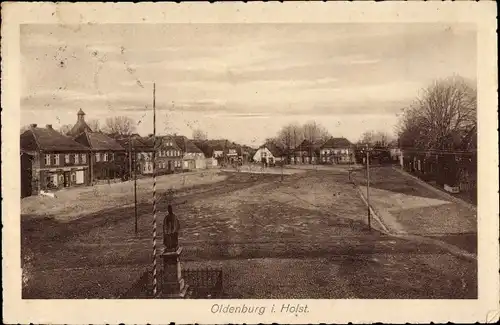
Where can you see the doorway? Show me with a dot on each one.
(67, 179)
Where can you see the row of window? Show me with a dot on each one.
(54, 159)
(104, 156)
(162, 164)
(335, 151)
(169, 153)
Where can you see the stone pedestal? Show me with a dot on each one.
(173, 285)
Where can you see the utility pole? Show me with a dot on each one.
(130, 156)
(135, 193)
(368, 185)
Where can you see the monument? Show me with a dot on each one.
(173, 285)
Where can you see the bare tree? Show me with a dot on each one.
(315, 132)
(94, 124)
(119, 125)
(24, 129)
(375, 138)
(199, 135)
(65, 128)
(442, 117)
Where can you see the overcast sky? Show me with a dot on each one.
(237, 81)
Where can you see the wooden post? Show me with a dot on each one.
(130, 156)
(368, 185)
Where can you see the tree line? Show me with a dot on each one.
(292, 135)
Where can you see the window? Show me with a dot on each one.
(97, 157)
(84, 158)
(111, 156)
(144, 168)
(73, 177)
(66, 159)
(56, 160)
(77, 158)
(105, 157)
(47, 160)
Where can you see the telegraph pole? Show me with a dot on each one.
(368, 185)
(135, 197)
(135, 180)
(130, 156)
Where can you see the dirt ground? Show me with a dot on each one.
(75, 202)
(309, 228)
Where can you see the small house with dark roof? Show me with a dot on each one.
(106, 161)
(55, 160)
(337, 151)
(269, 154)
(306, 152)
(192, 156)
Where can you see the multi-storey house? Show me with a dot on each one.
(51, 160)
(337, 151)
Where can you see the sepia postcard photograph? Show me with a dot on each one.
(249, 163)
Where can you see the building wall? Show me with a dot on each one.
(305, 157)
(107, 164)
(336, 156)
(56, 170)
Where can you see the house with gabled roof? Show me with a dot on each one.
(168, 154)
(337, 151)
(192, 156)
(51, 160)
(269, 154)
(306, 152)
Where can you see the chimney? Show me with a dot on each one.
(49, 126)
(33, 125)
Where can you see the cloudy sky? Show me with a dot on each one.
(237, 81)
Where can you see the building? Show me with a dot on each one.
(192, 156)
(306, 153)
(337, 151)
(106, 153)
(50, 160)
(208, 152)
(138, 156)
(168, 155)
(268, 154)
